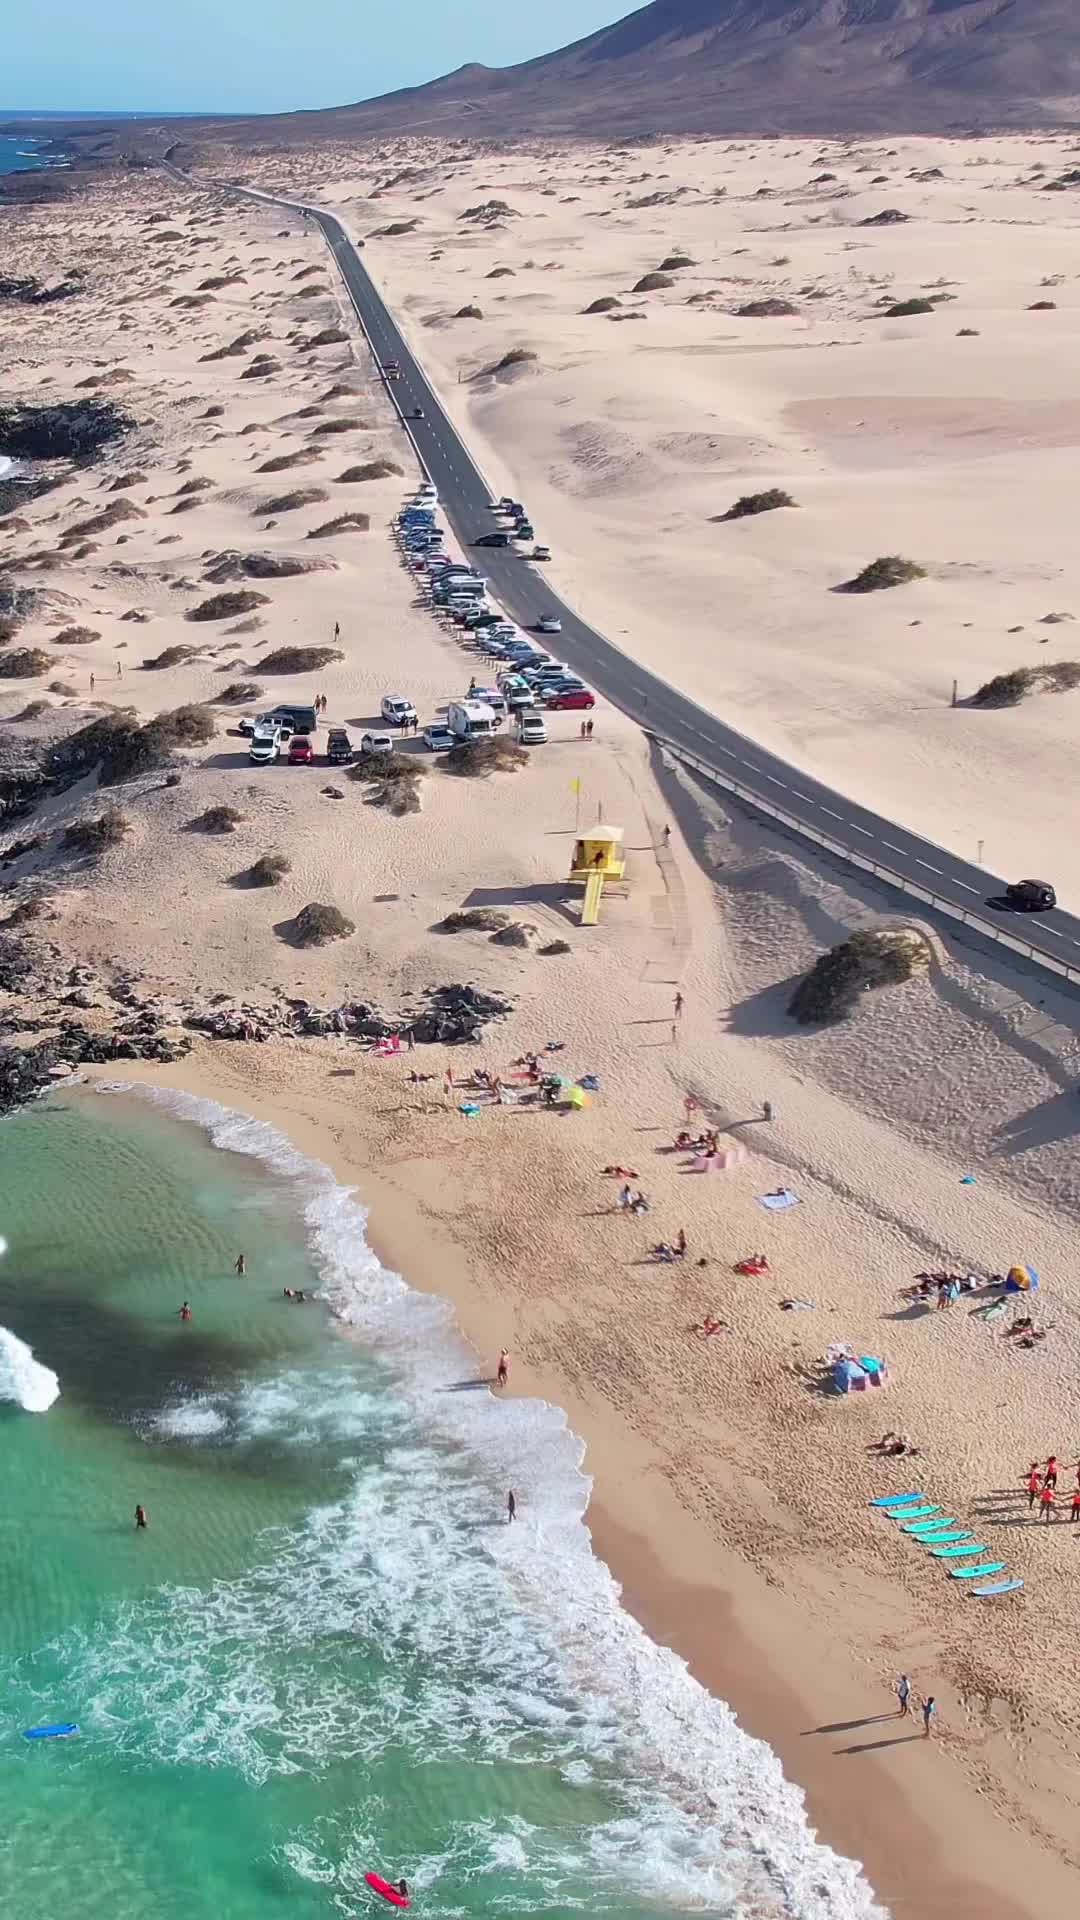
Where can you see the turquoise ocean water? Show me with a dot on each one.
(328, 1652)
(18, 155)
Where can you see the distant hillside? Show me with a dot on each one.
(740, 66)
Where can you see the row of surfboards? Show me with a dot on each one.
(947, 1540)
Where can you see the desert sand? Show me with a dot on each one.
(948, 436)
(731, 1492)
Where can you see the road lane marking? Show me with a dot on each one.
(855, 828)
(964, 884)
(831, 814)
(926, 864)
(892, 846)
(776, 782)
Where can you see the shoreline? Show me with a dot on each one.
(742, 1639)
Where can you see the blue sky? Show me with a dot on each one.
(259, 56)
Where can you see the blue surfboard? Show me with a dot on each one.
(929, 1526)
(940, 1539)
(59, 1730)
(997, 1586)
(976, 1573)
(912, 1513)
(896, 1499)
(959, 1553)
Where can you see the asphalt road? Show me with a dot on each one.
(657, 706)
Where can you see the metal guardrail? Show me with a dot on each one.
(987, 928)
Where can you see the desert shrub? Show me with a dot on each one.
(516, 357)
(123, 480)
(768, 309)
(261, 368)
(384, 768)
(1005, 689)
(889, 570)
(188, 726)
(473, 759)
(500, 273)
(397, 796)
(63, 687)
(652, 283)
(288, 502)
(35, 908)
(239, 693)
(830, 991)
(750, 503)
(605, 304)
(226, 606)
(555, 946)
(268, 870)
(372, 470)
(9, 627)
(341, 426)
(197, 484)
(967, 333)
(317, 923)
(110, 516)
(94, 836)
(327, 336)
(345, 523)
(901, 309)
(299, 659)
(217, 820)
(468, 313)
(170, 657)
(280, 462)
(32, 711)
(674, 261)
(24, 663)
(75, 637)
(478, 919)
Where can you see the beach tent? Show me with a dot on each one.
(1022, 1280)
(848, 1376)
(577, 1098)
(719, 1162)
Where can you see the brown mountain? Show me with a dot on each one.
(739, 66)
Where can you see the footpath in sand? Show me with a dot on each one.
(731, 1492)
(706, 320)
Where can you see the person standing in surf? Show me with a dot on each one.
(240, 1264)
(511, 1508)
(142, 1519)
(503, 1374)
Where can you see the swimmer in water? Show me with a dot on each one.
(141, 1519)
(185, 1312)
(240, 1263)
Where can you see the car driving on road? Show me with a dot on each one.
(1030, 896)
(549, 623)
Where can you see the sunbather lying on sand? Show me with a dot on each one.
(709, 1326)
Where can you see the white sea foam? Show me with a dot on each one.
(22, 1378)
(564, 1674)
(198, 1419)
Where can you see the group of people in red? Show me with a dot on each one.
(1042, 1487)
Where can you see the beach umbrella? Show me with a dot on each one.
(1022, 1280)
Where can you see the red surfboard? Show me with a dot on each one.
(388, 1892)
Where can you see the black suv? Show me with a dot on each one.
(1031, 896)
(339, 748)
(492, 540)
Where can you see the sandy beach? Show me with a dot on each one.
(731, 1491)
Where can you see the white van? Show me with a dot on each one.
(398, 711)
(264, 745)
(470, 720)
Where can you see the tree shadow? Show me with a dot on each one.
(1057, 1118)
(764, 1015)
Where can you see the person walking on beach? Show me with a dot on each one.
(142, 1518)
(929, 1708)
(511, 1508)
(240, 1263)
(625, 1198)
(680, 1243)
(1034, 1480)
(903, 1695)
(1046, 1504)
(1075, 1513)
(678, 1006)
(1050, 1477)
(766, 1111)
(337, 629)
(503, 1374)
(667, 835)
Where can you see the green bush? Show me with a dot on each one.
(299, 659)
(268, 870)
(863, 962)
(749, 503)
(889, 570)
(94, 836)
(902, 309)
(316, 923)
(217, 820)
(226, 606)
(1005, 689)
(473, 759)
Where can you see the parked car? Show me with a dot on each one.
(339, 748)
(372, 742)
(491, 697)
(541, 553)
(397, 710)
(492, 540)
(439, 738)
(300, 751)
(264, 746)
(531, 729)
(248, 725)
(296, 719)
(1031, 896)
(572, 698)
(523, 531)
(549, 623)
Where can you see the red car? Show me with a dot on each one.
(572, 699)
(300, 753)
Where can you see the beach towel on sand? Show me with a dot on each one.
(778, 1201)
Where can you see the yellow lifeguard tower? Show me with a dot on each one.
(599, 855)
